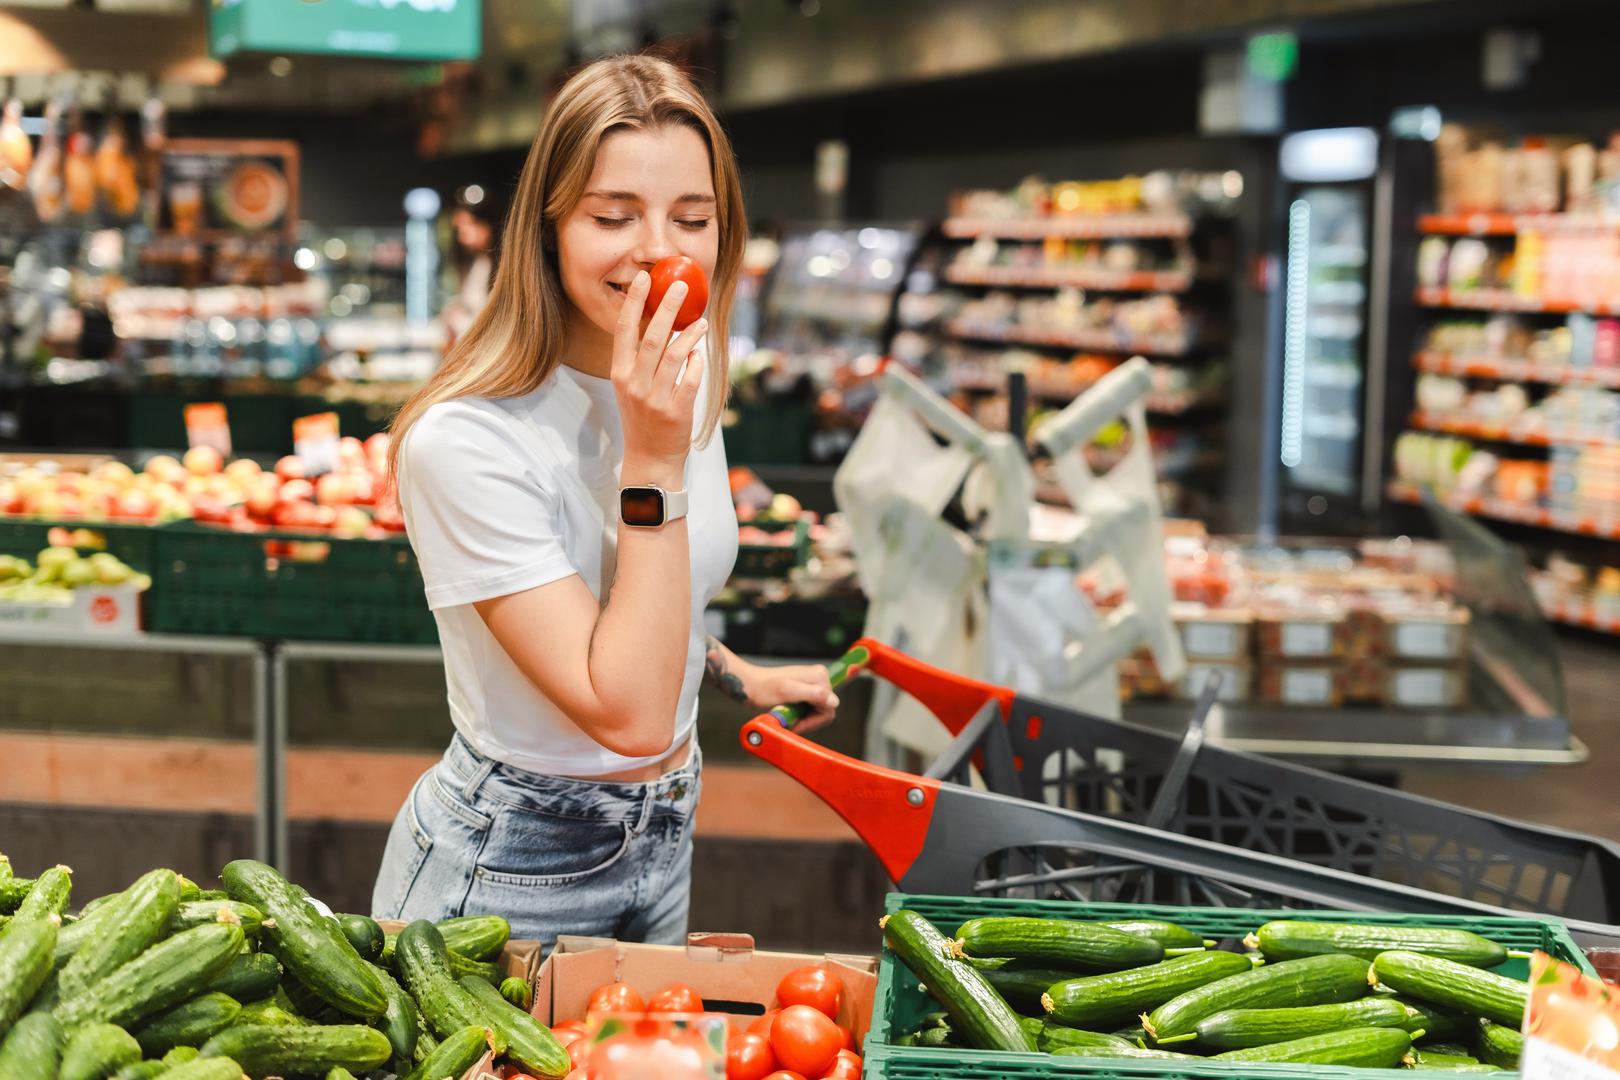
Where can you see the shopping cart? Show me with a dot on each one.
(1076, 806)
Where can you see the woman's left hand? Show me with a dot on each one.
(768, 687)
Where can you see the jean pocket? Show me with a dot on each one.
(532, 848)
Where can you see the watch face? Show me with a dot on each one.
(641, 506)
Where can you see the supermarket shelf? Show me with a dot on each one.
(1061, 278)
(1168, 404)
(1508, 433)
(1515, 370)
(1522, 436)
(1573, 615)
(1091, 226)
(1507, 300)
(1496, 224)
(1607, 528)
(1095, 340)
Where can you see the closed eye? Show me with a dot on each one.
(695, 224)
(610, 222)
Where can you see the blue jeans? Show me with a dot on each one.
(553, 855)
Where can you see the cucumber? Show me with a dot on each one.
(980, 1015)
(189, 890)
(190, 1024)
(402, 1022)
(91, 906)
(141, 1070)
(1428, 1059)
(73, 934)
(426, 1043)
(1369, 1048)
(1105, 1000)
(1023, 987)
(214, 1068)
(1500, 1046)
(363, 933)
(1060, 943)
(1452, 985)
(477, 937)
(304, 1002)
(26, 950)
(13, 890)
(518, 992)
(180, 1055)
(198, 912)
(96, 1050)
(248, 977)
(1237, 1029)
(1436, 1025)
(1168, 934)
(123, 930)
(268, 1012)
(213, 894)
(1126, 1051)
(425, 970)
(458, 1053)
(278, 1050)
(1054, 1036)
(307, 943)
(160, 978)
(1289, 940)
(938, 1035)
(461, 966)
(338, 1072)
(33, 1049)
(48, 896)
(528, 1042)
(1314, 980)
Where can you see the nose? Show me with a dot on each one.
(654, 241)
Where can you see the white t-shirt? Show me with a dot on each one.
(506, 494)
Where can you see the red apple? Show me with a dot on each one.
(203, 461)
(261, 501)
(290, 467)
(296, 491)
(335, 489)
(351, 452)
(135, 504)
(165, 470)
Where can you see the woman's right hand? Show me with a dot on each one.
(655, 412)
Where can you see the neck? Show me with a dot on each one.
(586, 348)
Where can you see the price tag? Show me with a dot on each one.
(315, 441)
(1572, 1025)
(1307, 687)
(206, 425)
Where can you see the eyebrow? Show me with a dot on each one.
(630, 196)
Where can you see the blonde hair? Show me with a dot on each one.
(517, 340)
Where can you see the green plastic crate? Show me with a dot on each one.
(135, 545)
(920, 1063)
(212, 581)
(899, 1005)
(770, 560)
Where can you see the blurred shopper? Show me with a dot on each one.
(573, 641)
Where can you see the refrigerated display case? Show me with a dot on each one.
(1323, 363)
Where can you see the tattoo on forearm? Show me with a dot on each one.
(714, 666)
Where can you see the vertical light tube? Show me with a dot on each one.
(1294, 333)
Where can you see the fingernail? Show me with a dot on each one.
(832, 699)
(701, 325)
(678, 289)
(641, 279)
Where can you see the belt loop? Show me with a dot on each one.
(479, 775)
(649, 796)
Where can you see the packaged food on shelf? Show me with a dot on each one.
(1294, 634)
(1236, 679)
(1304, 683)
(1421, 686)
(1432, 632)
(1214, 633)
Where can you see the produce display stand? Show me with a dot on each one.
(1100, 810)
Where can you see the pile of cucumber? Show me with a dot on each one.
(165, 980)
(1321, 993)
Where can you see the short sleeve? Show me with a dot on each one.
(483, 517)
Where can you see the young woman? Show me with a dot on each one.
(573, 641)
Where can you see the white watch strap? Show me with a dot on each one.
(674, 505)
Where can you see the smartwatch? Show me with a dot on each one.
(646, 506)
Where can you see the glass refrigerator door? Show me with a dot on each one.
(1324, 329)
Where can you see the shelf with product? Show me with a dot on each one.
(1516, 405)
(1062, 282)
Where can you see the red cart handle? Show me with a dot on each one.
(955, 699)
(889, 809)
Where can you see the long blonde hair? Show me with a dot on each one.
(516, 341)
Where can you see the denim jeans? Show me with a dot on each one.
(553, 855)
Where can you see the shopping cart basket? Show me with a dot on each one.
(1085, 808)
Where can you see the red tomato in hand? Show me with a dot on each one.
(762, 1024)
(804, 1040)
(616, 997)
(849, 1038)
(666, 272)
(815, 986)
(575, 1026)
(785, 1074)
(675, 998)
(749, 1057)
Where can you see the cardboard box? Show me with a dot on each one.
(1302, 635)
(1319, 684)
(1214, 633)
(732, 977)
(96, 609)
